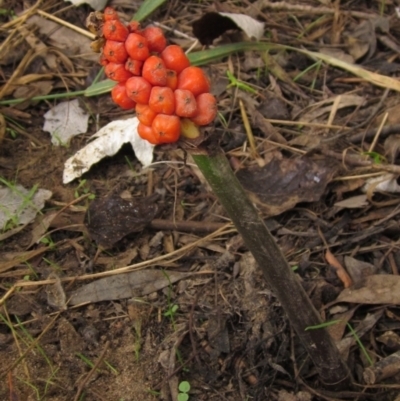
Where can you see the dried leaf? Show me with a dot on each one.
(135, 284)
(383, 183)
(358, 269)
(20, 205)
(281, 184)
(376, 289)
(55, 293)
(65, 121)
(109, 140)
(358, 201)
(392, 146)
(340, 270)
(95, 4)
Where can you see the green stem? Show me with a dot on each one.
(277, 272)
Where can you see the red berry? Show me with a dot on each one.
(134, 66)
(206, 109)
(162, 100)
(134, 26)
(145, 114)
(172, 79)
(115, 51)
(185, 103)
(110, 14)
(193, 79)
(155, 38)
(117, 72)
(115, 30)
(136, 46)
(154, 71)
(138, 89)
(175, 58)
(120, 97)
(147, 133)
(167, 128)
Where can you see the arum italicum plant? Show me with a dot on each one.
(214, 165)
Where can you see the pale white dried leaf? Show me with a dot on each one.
(384, 183)
(250, 26)
(108, 140)
(64, 121)
(21, 205)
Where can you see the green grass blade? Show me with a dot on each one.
(99, 88)
(146, 8)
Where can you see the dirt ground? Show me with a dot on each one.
(198, 309)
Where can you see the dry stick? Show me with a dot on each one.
(90, 374)
(278, 274)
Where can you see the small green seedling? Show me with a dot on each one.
(376, 157)
(82, 189)
(184, 388)
(233, 81)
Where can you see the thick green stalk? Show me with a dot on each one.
(277, 272)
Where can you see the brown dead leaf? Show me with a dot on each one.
(392, 146)
(358, 269)
(375, 289)
(61, 37)
(361, 40)
(130, 285)
(337, 330)
(355, 202)
(340, 270)
(281, 184)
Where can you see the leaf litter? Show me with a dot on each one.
(322, 127)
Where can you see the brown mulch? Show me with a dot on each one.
(215, 324)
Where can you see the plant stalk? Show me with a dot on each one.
(277, 272)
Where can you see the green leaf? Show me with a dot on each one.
(146, 8)
(183, 397)
(99, 88)
(184, 387)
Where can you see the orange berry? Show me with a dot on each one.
(162, 100)
(175, 58)
(206, 109)
(120, 97)
(193, 79)
(136, 46)
(134, 66)
(145, 114)
(167, 128)
(138, 89)
(147, 133)
(154, 71)
(185, 103)
(172, 79)
(115, 51)
(110, 14)
(155, 38)
(117, 72)
(115, 30)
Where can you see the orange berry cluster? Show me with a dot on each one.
(154, 79)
